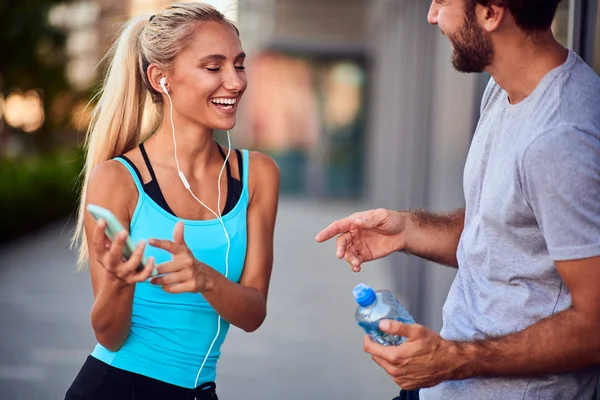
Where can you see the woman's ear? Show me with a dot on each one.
(154, 77)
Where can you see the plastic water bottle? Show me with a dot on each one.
(373, 306)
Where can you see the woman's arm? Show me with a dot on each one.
(242, 304)
(245, 304)
(113, 282)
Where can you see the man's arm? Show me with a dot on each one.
(373, 234)
(434, 236)
(564, 342)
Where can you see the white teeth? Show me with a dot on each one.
(223, 101)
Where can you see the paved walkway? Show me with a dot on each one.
(308, 348)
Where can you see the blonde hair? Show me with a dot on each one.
(125, 115)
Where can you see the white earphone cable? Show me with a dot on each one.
(217, 215)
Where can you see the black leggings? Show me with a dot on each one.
(99, 381)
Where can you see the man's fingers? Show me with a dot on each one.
(376, 349)
(341, 244)
(364, 223)
(347, 250)
(399, 328)
(388, 367)
(363, 219)
(372, 219)
(353, 257)
(334, 229)
(372, 347)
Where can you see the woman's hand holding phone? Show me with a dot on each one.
(110, 255)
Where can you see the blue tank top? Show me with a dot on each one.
(171, 333)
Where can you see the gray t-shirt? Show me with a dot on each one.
(532, 191)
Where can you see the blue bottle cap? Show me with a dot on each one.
(364, 295)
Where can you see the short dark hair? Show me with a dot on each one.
(530, 15)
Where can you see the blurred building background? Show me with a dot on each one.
(356, 100)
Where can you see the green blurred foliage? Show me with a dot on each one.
(36, 191)
(38, 185)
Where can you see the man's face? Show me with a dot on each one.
(473, 49)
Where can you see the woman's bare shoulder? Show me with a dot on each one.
(111, 184)
(263, 173)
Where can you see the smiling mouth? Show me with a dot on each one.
(224, 103)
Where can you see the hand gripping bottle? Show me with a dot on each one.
(373, 306)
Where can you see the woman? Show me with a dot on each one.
(159, 335)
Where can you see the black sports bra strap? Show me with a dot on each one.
(147, 161)
(240, 164)
(132, 165)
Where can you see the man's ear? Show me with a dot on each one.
(490, 17)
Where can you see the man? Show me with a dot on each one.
(522, 318)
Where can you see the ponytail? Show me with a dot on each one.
(122, 111)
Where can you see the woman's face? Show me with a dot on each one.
(208, 77)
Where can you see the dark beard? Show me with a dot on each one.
(473, 50)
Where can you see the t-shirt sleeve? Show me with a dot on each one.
(560, 176)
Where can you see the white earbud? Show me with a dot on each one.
(163, 84)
